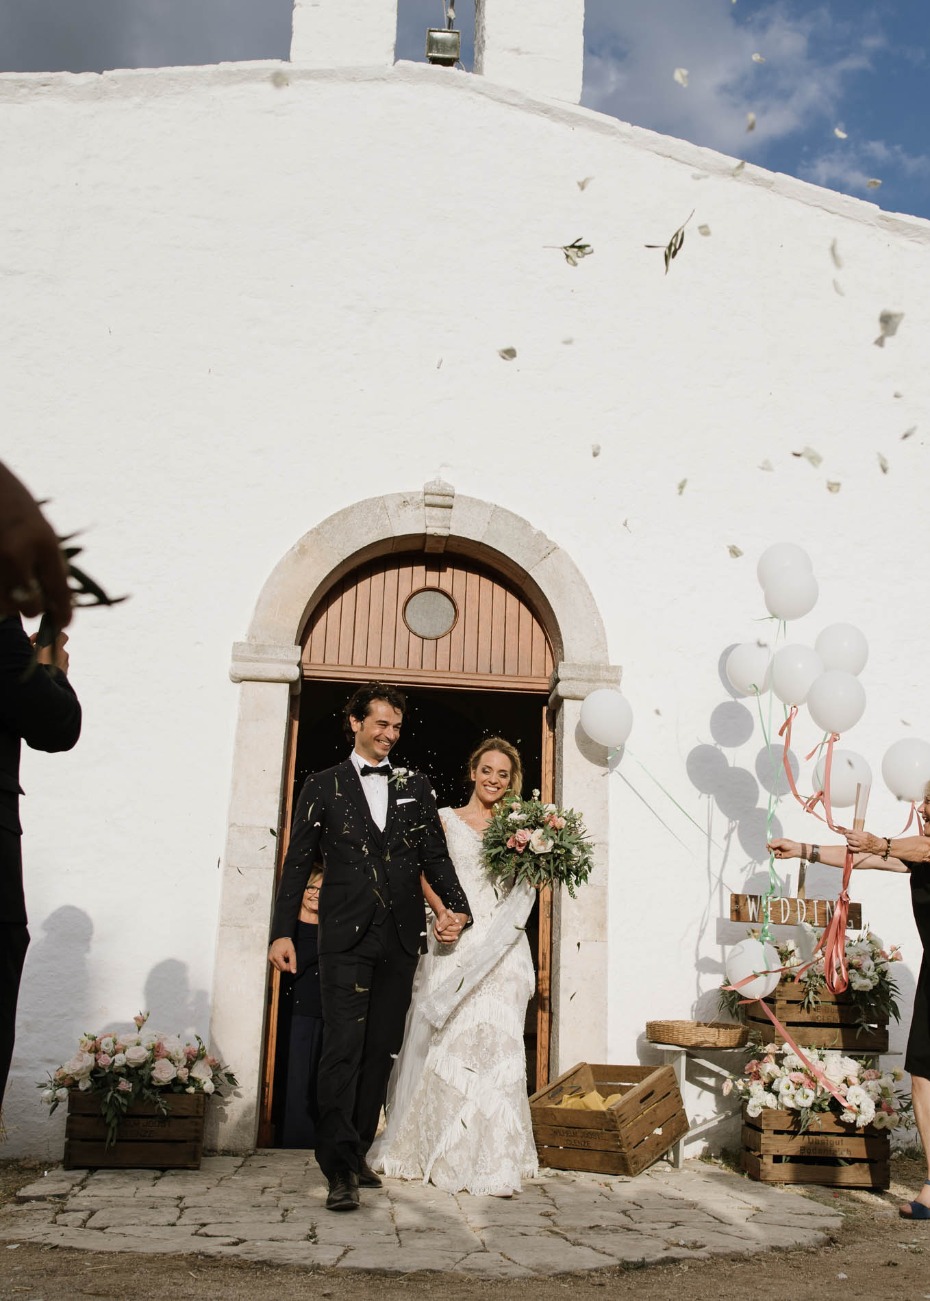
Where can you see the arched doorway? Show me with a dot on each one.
(475, 661)
(267, 667)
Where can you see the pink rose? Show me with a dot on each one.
(521, 839)
(140, 1019)
(104, 1060)
(159, 1051)
(183, 1073)
(164, 1071)
(124, 1086)
(555, 822)
(191, 1051)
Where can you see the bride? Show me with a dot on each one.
(457, 1108)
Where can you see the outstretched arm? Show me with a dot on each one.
(302, 853)
(909, 849)
(834, 856)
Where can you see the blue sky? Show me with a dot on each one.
(860, 67)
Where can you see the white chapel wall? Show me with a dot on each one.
(240, 299)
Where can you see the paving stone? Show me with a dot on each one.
(399, 1259)
(552, 1255)
(72, 1219)
(181, 1236)
(115, 1216)
(623, 1246)
(444, 1238)
(491, 1264)
(58, 1183)
(307, 1255)
(258, 1231)
(230, 1214)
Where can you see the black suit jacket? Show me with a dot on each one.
(38, 706)
(366, 872)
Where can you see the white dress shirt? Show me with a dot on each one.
(375, 788)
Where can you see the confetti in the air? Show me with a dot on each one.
(595, 449)
(574, 251)
(583, 185)
(507, 354)
(888, 323)
(833, 485)
(873, 183)
(750, 121)
(766, 465)
(734, 551)
(840, 133)
(758, 58)
(835, 254)
(738, 168)
(681, 76)
(809, 455)
(682, 484)
(909, 433)
(838, 288)
(882, 463)
(704, 230)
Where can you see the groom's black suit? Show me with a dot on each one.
(372, 930)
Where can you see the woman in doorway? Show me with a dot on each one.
(306, 1025)
(909, 854)
(457, 1108)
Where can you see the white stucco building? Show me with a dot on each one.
(252, 341)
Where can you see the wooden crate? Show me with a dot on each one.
(626, 1138)
(146, 1138)
(829, 1152)
(832, 1024)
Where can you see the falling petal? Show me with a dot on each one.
(439, 364)
(838, 288)
(872, 184)
(681, 76)
(278, 79)
(507, 354)
(595, 449)
(766, 465)
(897, 395)
(758, 58)
(704, 230)
(568, 340)
(839, 133)
(583, 185)
(750, 121)
(809, 455)
(681, 486)
(699, 176)
(882, 463)
(833, 485)
(835, 254)
(909, 432)
(735, 552)
(738, 168)
(888, 323)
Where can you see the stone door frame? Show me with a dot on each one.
(266, 668)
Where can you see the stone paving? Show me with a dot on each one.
(269, 1207)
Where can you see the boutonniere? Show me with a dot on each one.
(399, 777)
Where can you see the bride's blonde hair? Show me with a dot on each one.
(502, 747)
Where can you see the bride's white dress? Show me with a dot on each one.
(457, 1108)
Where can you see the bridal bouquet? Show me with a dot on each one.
(780, 1080)
(140, 1067)
(538, 843)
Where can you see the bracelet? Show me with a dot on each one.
(815, 853)
(887, 848)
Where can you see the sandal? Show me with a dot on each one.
(918, 1211)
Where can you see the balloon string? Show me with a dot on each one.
(666, 793)
(774, 882)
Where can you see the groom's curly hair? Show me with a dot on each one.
(359, 704)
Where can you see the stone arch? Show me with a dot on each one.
(266, 667)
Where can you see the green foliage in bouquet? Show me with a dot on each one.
(538, 843)
(140, 1067)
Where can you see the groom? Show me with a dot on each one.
(376, 829)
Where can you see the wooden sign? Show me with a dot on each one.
(790, 912)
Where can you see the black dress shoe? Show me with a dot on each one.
(343, 1192)
(367, 1177)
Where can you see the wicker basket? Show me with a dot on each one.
(697, 1034)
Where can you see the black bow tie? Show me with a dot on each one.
(382, 770)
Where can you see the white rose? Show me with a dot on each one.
(803, 1097)
(49, 1095)
(208, 1086)
(136, 1055)
(539, 843)
(119, 1061)
(200, 1070)
(753, 1107)
(80, 1066)
(164, 1071)
(84, 1085)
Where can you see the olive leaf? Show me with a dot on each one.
(675, 244)
(574, 251)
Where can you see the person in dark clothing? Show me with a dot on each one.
(37, 705)
(306, 1026)
(377, 829)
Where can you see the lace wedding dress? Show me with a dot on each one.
(457, 1109)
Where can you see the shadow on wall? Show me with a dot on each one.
(737, 823)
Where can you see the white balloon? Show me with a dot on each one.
(836, 701)
(843, 646)
(748, 668)
(906, 768)
(794, 669)
(749, 957)
(791, 593)
(606, 717)
(847, 771)
(782, 555)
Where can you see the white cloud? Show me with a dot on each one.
(851, 168)
(810, 57)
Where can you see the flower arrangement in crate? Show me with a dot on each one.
(123, 1069)
(780, 1081)
(873, 991)
(540, 844)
